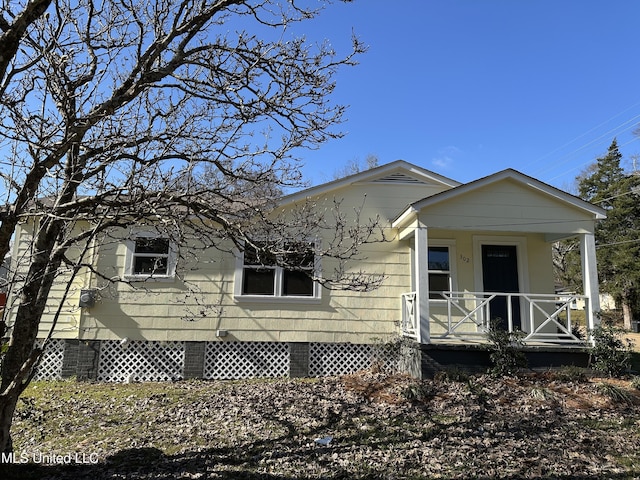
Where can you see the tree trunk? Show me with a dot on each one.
(7, 408)
(22, 356)
(14, 374)
(627, 314)
(9, 398)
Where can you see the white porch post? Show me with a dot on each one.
(590, 278)
(422, 283)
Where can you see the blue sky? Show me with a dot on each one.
(469, 87)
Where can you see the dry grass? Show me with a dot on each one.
(380, 425)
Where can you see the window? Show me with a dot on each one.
(259, 274)
(150, 256)
(439, 272)
(289, 275)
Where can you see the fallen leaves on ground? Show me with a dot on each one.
(372, 426)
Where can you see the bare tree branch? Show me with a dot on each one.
(188, 116)
(14, 30)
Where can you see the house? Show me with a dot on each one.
(607, 302)
(458, 258)
(4, 280)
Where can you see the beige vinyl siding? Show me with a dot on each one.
(387, 200)
(507, 205)
(167, 310)
(69, 318)
(157, 311)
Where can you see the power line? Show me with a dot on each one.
(634, 191)
(625, 126)
(586, 133)
(606, 135)
(623, 242)
(587, 162)
(494, 225)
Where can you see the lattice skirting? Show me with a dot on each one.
(140, 361)
(330, 359)
(50, 367)
(234, 360)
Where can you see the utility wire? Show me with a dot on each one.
(581, 165)
(634, 191)
(619, 114)
(623, 242)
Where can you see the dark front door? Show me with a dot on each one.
(500, 274)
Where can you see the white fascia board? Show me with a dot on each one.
(367, 176)
(405, 217)
(597, 212)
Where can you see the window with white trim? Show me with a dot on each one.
(290, 275)
(439, 271)
(150, 256)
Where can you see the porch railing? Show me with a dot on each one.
(544, 318)
(409, 323)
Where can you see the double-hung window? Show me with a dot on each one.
(150, 256)
(289, 274)
(439, 271)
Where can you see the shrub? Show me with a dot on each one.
(419, 392)
(610, 354)
(543, 394)
(570, 373)
(615, 393)
(635, 382)
(451, 374)
(506, 354)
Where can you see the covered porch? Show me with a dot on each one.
(481, 256)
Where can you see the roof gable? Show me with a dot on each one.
(398, 173)
(544, 191)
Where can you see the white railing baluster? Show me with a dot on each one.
(409, 324)
(468, 315)
(510, 312)
(532, 325)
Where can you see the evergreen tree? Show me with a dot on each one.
(618, 237)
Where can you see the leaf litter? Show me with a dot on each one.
(368, 425)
